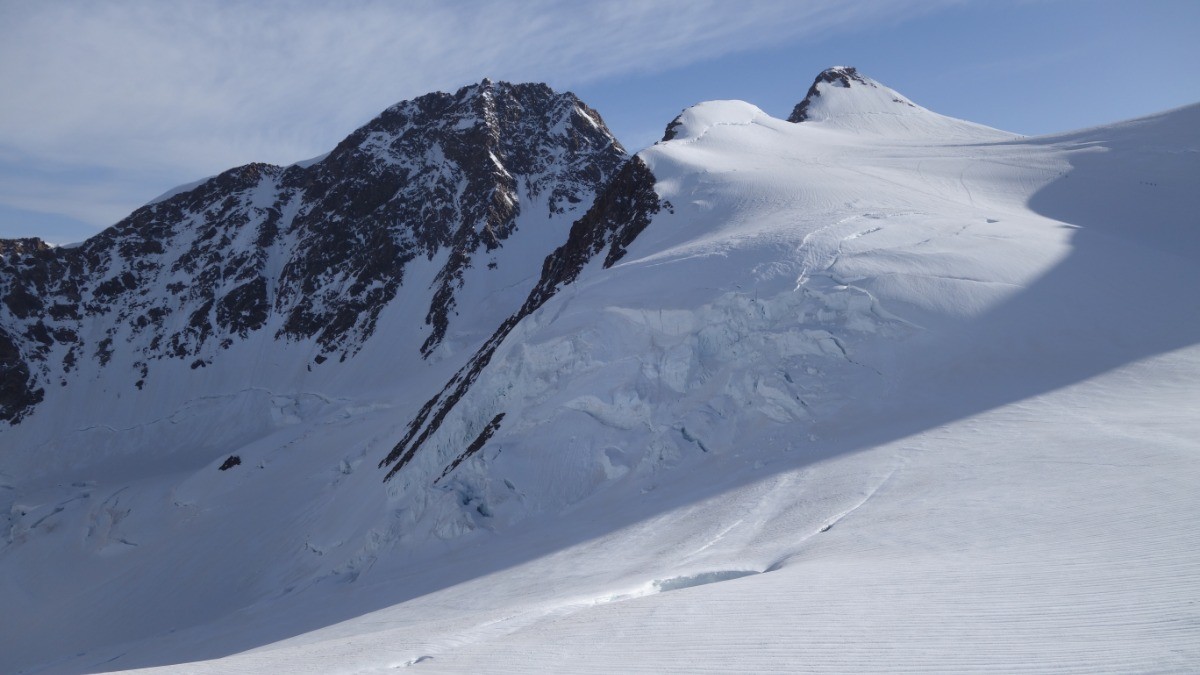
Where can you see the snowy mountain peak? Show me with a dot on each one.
(22, 246)
(823, 99)
(843, 98)
(843, 76)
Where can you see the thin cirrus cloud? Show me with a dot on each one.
(126, 93)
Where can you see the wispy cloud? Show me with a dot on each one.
(188, 89)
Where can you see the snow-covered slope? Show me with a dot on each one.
(868, 107)
(869, 390)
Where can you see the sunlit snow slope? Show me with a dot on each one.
(874, 391)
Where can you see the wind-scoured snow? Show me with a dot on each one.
(875, 391)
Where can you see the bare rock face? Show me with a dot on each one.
(18, 391)
(313, 251)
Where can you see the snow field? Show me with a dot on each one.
(971, 552)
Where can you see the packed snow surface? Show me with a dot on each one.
(872, 393)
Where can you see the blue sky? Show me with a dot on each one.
(107, 104)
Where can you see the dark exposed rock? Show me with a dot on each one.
(22, 303)
(475, 446)
(63, 311)
(109, 289)
(670, 132)
(245, 308)
(104, 351)
(229, 463)
(39, 333)
(143, 371)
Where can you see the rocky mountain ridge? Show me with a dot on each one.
(304, 252)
